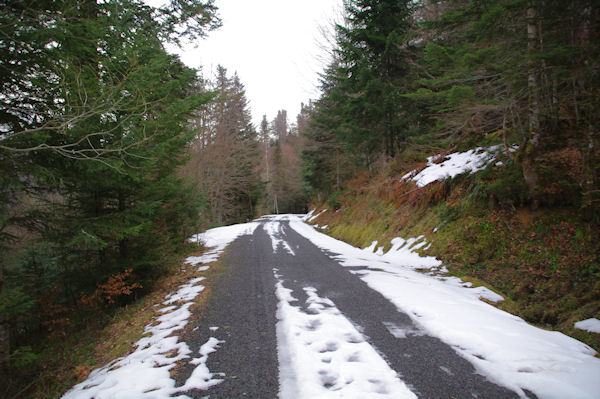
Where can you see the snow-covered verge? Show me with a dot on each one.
(501, 346)
(454, 164)
(322, 355)
(145, 373)
(310, 216)
(217, 239)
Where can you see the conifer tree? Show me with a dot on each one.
(372, 62)
(280, 126)
(518, 69)
(92, 126)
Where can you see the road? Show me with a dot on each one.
(244, 306)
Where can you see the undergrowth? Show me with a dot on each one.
(545, 263)
(51, 364)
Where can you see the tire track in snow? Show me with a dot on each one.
(322, 355)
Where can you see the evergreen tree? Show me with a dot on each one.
(322, 153)
(325, 164)
(518, 69)
(92, 127)
(280, 126)
(372, 62)
(281, 169)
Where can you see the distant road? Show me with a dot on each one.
(279, 287)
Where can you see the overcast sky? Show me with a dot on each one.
(273, 45)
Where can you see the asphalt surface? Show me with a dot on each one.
(243, 305)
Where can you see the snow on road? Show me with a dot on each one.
(217, 239)
(275, 233)
(145, 373)
(322, 355)
(501, 346)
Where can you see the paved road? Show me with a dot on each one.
(243, 304)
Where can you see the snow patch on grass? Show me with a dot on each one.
(145, 373)
(403, 253)
(310, 216)
(591, 325)
(454, 164)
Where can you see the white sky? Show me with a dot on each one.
(273, 45)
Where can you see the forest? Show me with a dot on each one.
(113, 152)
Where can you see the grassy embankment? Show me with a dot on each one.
(546, 264)
(92, 340)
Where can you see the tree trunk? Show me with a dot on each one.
(532, 143)
(250, 206)
(338, 181)
(590, 202)
(4, 337)
(591, 193)
(123, 245)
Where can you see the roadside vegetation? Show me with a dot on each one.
(51, 365)
(435, 77)
(113, 152)
(546, 263)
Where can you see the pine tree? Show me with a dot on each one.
(518, 68)
(320, 155)
(280, 126)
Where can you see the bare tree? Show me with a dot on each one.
(224, 156)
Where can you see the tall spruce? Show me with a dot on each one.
(372, 62)
(524, 70)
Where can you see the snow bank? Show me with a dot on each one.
(217, 239)
(454, 164)
(322, 355)
(402, 253)
(145, 373)
(501, 346)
